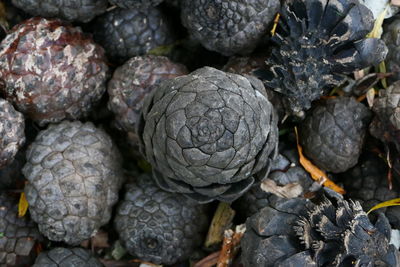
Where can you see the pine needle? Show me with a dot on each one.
(377, 30)
(22, 205)
(276, 20)
(389, 203)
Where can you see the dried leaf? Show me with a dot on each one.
(317, 174)
(291, 190)
(22, 205)
(221, 221)
(100, 240)
(377, 30)
(389, 203)
(276, 20)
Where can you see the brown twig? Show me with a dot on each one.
(230, 246)
(208, 261)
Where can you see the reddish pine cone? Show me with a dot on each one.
(132, 82)
(51, 71)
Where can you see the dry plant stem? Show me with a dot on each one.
(210, 260)
(230, 246)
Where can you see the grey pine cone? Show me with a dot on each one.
(159, 226)
(334, 232)
(67, 257)
(125, 33)
(12, 135)
(391, 36)
(332, 135)
(71, 10)
(18, 235)
(317, 42)
(208, 134)
(287, 179)
(368, 183)
(228, 26)
(74, 175)
(136, 4)
(386, 123)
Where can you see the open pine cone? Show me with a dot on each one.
(334, 232)
(318, 41)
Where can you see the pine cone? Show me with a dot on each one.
(51, 71)
(335, 232)
(228, 26)
(208, 134)
(74, 176)
(136, 4)
(392, 40)
(158, 226)
(12, 136)
(386, 124)
(332, 135)
(318, 41)
(287, 179)
(18, 235)
(125, 33)
(368, 183)
(71, 10)
(63, 257)
(131, 82)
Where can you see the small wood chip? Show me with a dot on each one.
(370, 97)
(230, 246)
(395, 2)
(290, 190)
(359, 74)
(221, 221)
